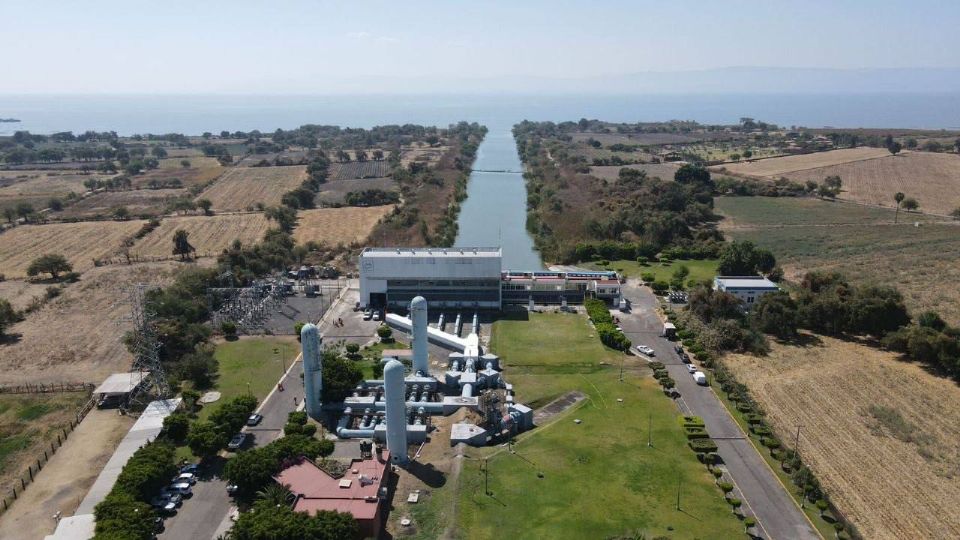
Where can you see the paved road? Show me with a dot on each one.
(775, 509)
(206, 514)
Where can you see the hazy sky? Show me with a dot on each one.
(275, 46)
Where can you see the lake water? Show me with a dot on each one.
(495, 210)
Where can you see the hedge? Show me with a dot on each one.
(656, 365)
(696, 433)
(691, 421)
(702, 446)
(727, 487)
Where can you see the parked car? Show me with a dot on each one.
(109, 402)
(165, 503)
(191, 468)
(685, 358)
(232, 489)
(158, 525)
(376, 315)
(237, 441)
(175, 497)
(691, 368)
(181, 488)
(643, 349)
(368, 314)
(189, 478)
(254, 419)
(700, 378)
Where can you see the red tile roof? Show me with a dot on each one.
(317, 490)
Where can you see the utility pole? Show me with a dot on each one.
(650, 430)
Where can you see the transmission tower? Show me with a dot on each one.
(146, 357)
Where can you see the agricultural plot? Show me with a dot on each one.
(295, 156)
(664, 171)
(38, 187)
(338, 225)
(862, 242)
(359, 169)
(139, 202)
(80, 243)
(335, 191)
(201, 171)
(208, 234)
(607, 139)
(88, 320)
(777, 167)
(243, 187)
(930, 178)
(422, 153)
(880, 434)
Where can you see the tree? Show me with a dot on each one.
(775, 313)
(121, 213)
(204, 439)
(10, 214)
(252, 470)
(285, 217)
(198, 367)
(744, 259)
(8, 316)
(185, 163)
(205, 205)
(692, 174)
(895, 148)
(385, 333)
(910, 204)
(120, 515)
(55, 204)
(176, 426)
(898, 197)
(181, 244)
(25, 210)
(340, 376)
(269, 521)
(49, 264)
(275, 494)
(955, 213)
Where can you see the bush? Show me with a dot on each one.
(726, 487)
(648, 277)
(750, 522)
(759, 430)
(696, 433)
(770, 442)
(297, 327)
(691, 421)
(717, 473)
(297, 417)
(752, 418)
(744, 407)
(308, 430)
(736, 503)
(176, 426)
(660, 287)
(667, 382)
(656, 365)
(229, 328)
(293, 429)
(385, 333)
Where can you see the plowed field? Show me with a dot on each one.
(208, 234)
(242, 187)
(338, 225)
(80, 243)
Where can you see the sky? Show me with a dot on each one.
(289, 47)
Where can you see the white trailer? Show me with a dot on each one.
(669, 330)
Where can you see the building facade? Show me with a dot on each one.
(748, 289)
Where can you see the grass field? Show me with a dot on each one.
(879, 433)
(20, 293)
(664, 171)
(861, 242)
(139, 202)
(208, 234)
(27, 424)
(777, 167)
(242, 187)
(338, 225)
(80, 243)
(599, 478)
(252, 365)
(89, 320)
(932, 179)
(699, 270)
(335, 191)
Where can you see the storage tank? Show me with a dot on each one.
(310, 343)
(418, 316)
(396, 411)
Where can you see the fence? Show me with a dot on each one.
(47, 388)
(148, 258)
(41, 459)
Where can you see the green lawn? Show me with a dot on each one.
(700, 270)
(250, 364)
(599, 478)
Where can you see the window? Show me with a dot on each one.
(749, 299)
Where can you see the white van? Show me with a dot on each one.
(700, 378)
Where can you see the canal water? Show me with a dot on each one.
(495, 212)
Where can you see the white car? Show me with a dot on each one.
(691, 368)
(376, 315)
(180, 488)
(189, 478)
(643, 349)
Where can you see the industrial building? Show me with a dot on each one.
(470, 278)
(748, 289)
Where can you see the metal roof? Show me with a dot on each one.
(121, 383)
(431, 252)
(745, 282)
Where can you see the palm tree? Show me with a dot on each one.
(275, 495)
(899, 198)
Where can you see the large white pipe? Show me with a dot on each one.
(311, 342)
(418, 313)
(396, 411)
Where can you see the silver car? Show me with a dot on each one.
(181, 488)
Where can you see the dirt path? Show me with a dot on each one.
(65, 479)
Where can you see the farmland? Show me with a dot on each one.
(777, 167)
(664, 171)
(620, 485)
(139, 202)
(879, 433)
(359, 169)
(201, 171)
(208, 234)
(242, 187)
(335, 191)
(38, 187)
(80, 243)
(930, 178)
(338, 225)
(88, 320)
(862, 242)
(422, 153)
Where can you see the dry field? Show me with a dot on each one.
(932, 179)
(643, 138)
(338, 225)
(38, 187)
(80, 243)
(208, 234)
(243, 187)
(860, 241)
(664, 171)
(20, 293)
(201, 171)
(777, 167)
(422, 152)
(895, 474)
(359, 169)
(139, 202)
(88, 321)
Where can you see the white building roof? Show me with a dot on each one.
(121, 383)
(431, 252)
(744, 282)
(78, 527)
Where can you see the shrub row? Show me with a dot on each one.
(606, 329)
